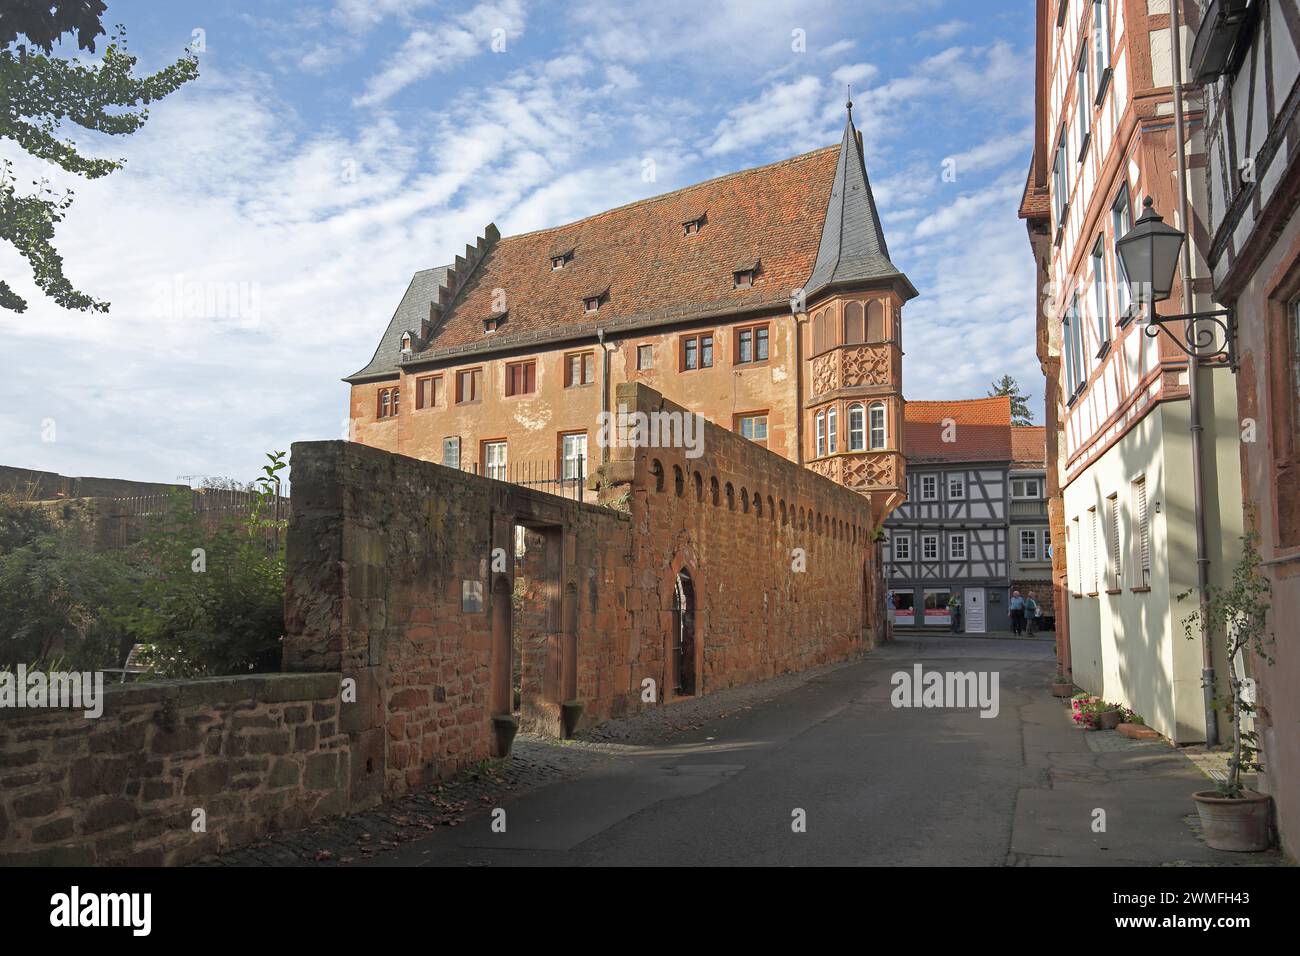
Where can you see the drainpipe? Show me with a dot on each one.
(1193, 390)
(604, 389)
(798, 387)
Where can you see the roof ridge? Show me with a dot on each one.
(789, 160)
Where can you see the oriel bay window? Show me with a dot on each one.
(879, 433)
(857, 427)
(697, 352)
(521, 378)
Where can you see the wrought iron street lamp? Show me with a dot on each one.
(1149, 253)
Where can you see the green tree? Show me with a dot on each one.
(58, 599)
(40, 95)
(1020, 413)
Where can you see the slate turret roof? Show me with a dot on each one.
(852, 249)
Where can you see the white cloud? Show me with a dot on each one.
(440, 47)
(943, 31)
(786, 112)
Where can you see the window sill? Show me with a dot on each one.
(1144, 589)
(1083, 149)
(472, 401)
(1126, 318)
(756, 363)
(1092, 594)
(575, 385)
(1114, 590)
(1105, 348)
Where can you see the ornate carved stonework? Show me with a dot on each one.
(827, 468)
(872, 471)
(865, 365)
(825, 372)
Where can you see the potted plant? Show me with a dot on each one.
(1085, 711)
(1061, 685)
(1234, 817)
(1077, 702)
(1109, 715)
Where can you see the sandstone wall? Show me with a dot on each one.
(255, 753)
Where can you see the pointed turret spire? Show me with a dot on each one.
(853, 246)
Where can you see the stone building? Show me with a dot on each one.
(1118, 412)
(974, 490)
(1248, 62)
(764, 300)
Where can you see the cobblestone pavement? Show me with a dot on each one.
(534, 762)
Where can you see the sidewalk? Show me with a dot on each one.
(1144, 788)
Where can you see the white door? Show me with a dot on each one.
(974, 610)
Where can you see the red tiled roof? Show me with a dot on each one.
(981, 430)
(650, 267)
(1029, 444)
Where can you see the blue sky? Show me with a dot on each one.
(271, 213)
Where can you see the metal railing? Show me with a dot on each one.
(566, 480)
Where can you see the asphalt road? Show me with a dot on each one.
(877, 784)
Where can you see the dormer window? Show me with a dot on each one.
(592, 301)
(493, 322)
(692, 227)
(561, 259)
(742, 276)
(406, 343)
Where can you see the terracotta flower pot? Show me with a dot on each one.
(1109, 719)
(1239, 824)
(1062, 690)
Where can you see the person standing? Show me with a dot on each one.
(954, 613)
(1017, 613)
(1031, 614)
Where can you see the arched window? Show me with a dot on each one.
(831, 445)
(879, 435)
(857, 427)
(819, 333)
(876, 321)
(384, 399)
(821, 434)
(853, 324)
